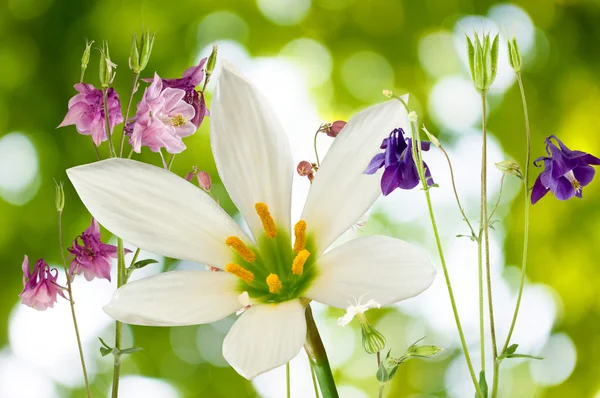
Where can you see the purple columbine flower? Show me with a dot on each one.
(86, 112)
(565, 173)
(39, 287)
(192, 77)
(162, 119)
(92, 257)
(397, 160)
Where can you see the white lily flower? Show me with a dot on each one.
(357, 308)
(160, 212)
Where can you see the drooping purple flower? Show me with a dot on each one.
(400, 169)
(565, 173)
(191, 78)
(86, 112)
(92, 257)
(39, 287)
(162, 119)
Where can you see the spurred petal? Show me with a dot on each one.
(386, 269)
(155, 210)
(341, 193)
(176, 298)
(251, 150)
(538, 191)
(266, 336)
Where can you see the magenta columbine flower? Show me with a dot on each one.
(92, 257)
(163, 118)
(192, 77)
(565, 173)
(400, 169)
(40, 287)
(86, 112)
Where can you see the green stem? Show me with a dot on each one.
(119, 325)
(96, 150)
(136, 76)
(485, 232)
(526, 226)
(481, 301)
(72, 304)
(318, 357)
(111, 147)
(416, 149)
(287, 380)
(498, 200)
(315, 145)
(314, 380)
(381, 386)
(170, 162)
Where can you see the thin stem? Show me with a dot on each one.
(378, 359)
(119, 325)
(318, 357)
(287, 380)
(130, 154)
(170, 161)
(314, 380)
(72, 304)
(96, 150)
(136, 76)
(315, 145)
(497, 200)
(420, 168)
(111, 146)
(381, 386)
(485, 232)
(526, 226)
(481, 301)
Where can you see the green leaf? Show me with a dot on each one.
(512, 349)
(494, 55)
(143, 263)
(130, 350)
(482, 385)
(105, 351)
(524, 356)
(471, 55)
(104, 344)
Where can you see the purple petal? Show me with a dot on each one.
(564, 190)
(584, 174)
(390, 180)
(538, 191)
(375, 164)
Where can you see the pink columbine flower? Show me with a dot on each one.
(163, 118)
(86, 112)
(40, 287)
(92, 257)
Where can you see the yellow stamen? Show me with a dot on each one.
(298, 263)
(274, 283)
(240, 272)
(178, 121)
(236, 244)
(267, 221)
(300, 233)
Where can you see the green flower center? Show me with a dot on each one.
(272, 270)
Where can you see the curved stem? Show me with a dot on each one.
(111, 147)
(318, 357)
(72, 304)
(497, 200)
(485, 232)
(136, 76)
(315, 146)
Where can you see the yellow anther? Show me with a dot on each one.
(267, 221)
(300, 234)
(298, 263)
(240, 272)
(274, 283)
(236, 244)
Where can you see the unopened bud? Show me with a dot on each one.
(85, 58)
(189, 176)
(146, 45)
(304, 168)
(432, 138)
(204, 180)
(388, 93)
(510, 167)
(514, 56)
(483, 60)
(59, 198)
(107, 67)
(423, 351)
(335, 128)
(134, 55)
(211, 63)
(412, 117)
(372, 340)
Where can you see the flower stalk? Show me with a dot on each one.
(136, 77)
(118, 325)
(111, 146)
(318, 357)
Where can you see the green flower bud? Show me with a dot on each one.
(59, 198)
(211, 63)
(423, 351)
(85, 58)
(432, 138)
(107, 67)
(372, 340)
(483, 60)
(146, 45)
(134, 55)
(510, 167)
(514, 57)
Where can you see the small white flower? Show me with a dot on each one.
(357, 308)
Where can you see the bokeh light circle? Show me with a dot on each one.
(365, 74)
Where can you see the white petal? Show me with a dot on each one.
(155, 210)
(251, 150)
(266, 336)
(387, 269)
(176, 298)
(341, 193)
(346, 319)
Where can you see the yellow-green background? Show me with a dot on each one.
(40, 47)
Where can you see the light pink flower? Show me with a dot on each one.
(93, 258)
(162, 119)
(86, 112)
(39, 287)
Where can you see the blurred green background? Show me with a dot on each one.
(325, 59)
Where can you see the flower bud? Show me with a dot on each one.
(304, 168)
(422, 351)
(59, 198)
(211, 63)
(510, 167)
(134, 55)
(372, 340)
(85, 58)
(514, 56)
(107, 67)
(189, 176)
(412, 117)
(432, 138)
(483, 61)
(335, 128)
(204, 180)
(146, 45)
